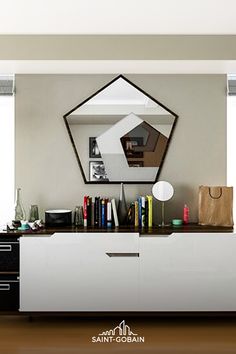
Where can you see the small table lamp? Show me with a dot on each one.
(163, 191)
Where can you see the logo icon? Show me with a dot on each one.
(120, 334)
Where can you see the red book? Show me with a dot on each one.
(85, 211)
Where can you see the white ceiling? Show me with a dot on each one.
(117, 17)
(117, 66)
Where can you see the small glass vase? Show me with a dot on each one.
(19, 209)
(34, 213)
(78, 216)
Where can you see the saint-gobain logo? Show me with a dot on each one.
(120, 334)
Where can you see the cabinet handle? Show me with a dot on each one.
(5, 248)
(113, 254)
(4, 287)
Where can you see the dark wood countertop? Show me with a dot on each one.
(154, 231)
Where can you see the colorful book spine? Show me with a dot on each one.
(103, 213)
(136, 213)
(96, 211)
(100, 213)
(89, 211)
(146, 213)
(140, 211)
(150, 209)
(106, 200)
(143, 211)
(92, 213)
(109, 216)
(85, 212)
(132, 214)
(129, 215)
(114, 211)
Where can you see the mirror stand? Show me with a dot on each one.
(163, 216)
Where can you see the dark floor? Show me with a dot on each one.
(71, 335)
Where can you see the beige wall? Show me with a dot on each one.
(118, 47)
(46, 167)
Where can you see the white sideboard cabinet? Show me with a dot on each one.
(188, 272)
(80, 272)
(128, 272)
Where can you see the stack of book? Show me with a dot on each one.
(100, 212)
(141, 211)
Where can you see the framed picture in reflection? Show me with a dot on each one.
(97, 172)
(93, 148)
(129, 144)
(132, 163)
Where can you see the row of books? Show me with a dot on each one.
(140, 213)
(102, 212)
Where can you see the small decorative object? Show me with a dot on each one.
(216, 206)
(19, 209)
(78, 216)
(24, 226)
(16, 224)
(33, 226)
(34, 213)
(40, 224)
(177, 222)
(97, 171)
(163, 191)
(58, 217)
(122, 207)
(93, 148)
(36, 225)
(186, 214)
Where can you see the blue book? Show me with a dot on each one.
(140, 211)
(103, 213)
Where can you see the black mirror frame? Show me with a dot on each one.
(94, 94)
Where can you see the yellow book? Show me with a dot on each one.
(136, 213)
(149, 198)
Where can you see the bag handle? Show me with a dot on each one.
(215, 197)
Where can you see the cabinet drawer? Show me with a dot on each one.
(91, 242)
(9, 293)
(9, 256)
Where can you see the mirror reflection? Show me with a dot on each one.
(120, 134)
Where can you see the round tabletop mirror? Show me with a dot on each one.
(163, 191)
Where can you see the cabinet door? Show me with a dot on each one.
(188, 272)
(121, 282)
(79, 272)
(9, 255)
(9, 292)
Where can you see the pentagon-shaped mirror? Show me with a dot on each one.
(120, 134)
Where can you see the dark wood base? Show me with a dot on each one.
(124, 314)
(155, 230)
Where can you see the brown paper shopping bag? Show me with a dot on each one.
(216, 206)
